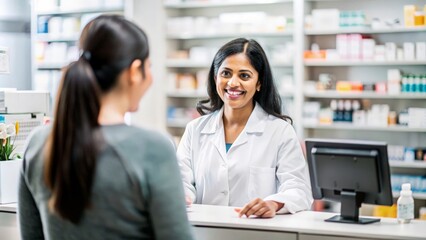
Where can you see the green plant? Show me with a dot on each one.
(7, 132)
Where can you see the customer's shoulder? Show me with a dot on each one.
(37, 138)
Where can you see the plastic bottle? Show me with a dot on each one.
(405, 204)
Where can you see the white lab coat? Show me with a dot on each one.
(265, 161)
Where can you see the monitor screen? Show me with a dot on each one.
(352, 172)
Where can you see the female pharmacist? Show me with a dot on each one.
(90, 176)
(243, 152)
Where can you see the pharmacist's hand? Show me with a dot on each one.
(188, 200)
(260, 208)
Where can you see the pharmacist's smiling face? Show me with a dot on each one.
(237, 82)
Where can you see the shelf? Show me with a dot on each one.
(45, 37)
(78, 11)
(230, 35)
(287, 94)
(325, 63)
(362, 95)
(350, 126)
(416, 195)
(186, 94)
(406, 164)
(365, 30)
(176, 123)
(173, 63)
(282, 64)
(223, 3)
(50, 66)
(186, 64)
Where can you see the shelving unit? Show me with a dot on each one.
(365, 30)
(189, 5)
(364, 95)
(186, 94)
(352, 127)
(55, 31)
(230, 35)
(416, 195)
(58, 11)
(408, 164)
(181, 101)
(367, 72)
(349, 63)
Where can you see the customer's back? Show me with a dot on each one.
(134, 195)
(89, 175)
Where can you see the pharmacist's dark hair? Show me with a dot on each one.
(268, 97)
(109, 45)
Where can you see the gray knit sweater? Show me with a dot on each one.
(137, 191)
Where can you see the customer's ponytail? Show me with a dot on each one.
(72, 145)
(110, 44)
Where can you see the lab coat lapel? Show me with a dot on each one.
(215, 133)
(255, 124)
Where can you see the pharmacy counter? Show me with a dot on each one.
(8, 222)
(217, 222)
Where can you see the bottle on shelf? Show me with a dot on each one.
(405, 209)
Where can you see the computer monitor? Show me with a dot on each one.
(352, 172)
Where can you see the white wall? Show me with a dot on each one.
(149, 15)
(14, 34)
(15, 10)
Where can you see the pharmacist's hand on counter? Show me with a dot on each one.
(260, 208)
(188, 200)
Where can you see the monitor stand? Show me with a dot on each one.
(349, 210)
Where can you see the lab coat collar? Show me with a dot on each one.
(255, 124)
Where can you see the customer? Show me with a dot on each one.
(243, 152)
(90, 176)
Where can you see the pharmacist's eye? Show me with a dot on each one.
(245, 76)
(225, 73)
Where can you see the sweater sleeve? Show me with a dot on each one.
(166, 200)
(28, 214)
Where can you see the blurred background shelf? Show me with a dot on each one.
(416, 195)
(78, 11)
(329, 63)
(177, 123)
(365, 30)
(50, 66)
(352, 127)
(186, 94)
(408, 164)
(286, 33)
(364, 95)
(207, 4)
(44, 37)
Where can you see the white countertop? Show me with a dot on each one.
(10, 207)
(307, 222)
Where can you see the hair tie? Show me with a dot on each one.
(86, 55)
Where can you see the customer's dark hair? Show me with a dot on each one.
(109, 45)
(267, 97)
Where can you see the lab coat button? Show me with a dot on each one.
(225, 192)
